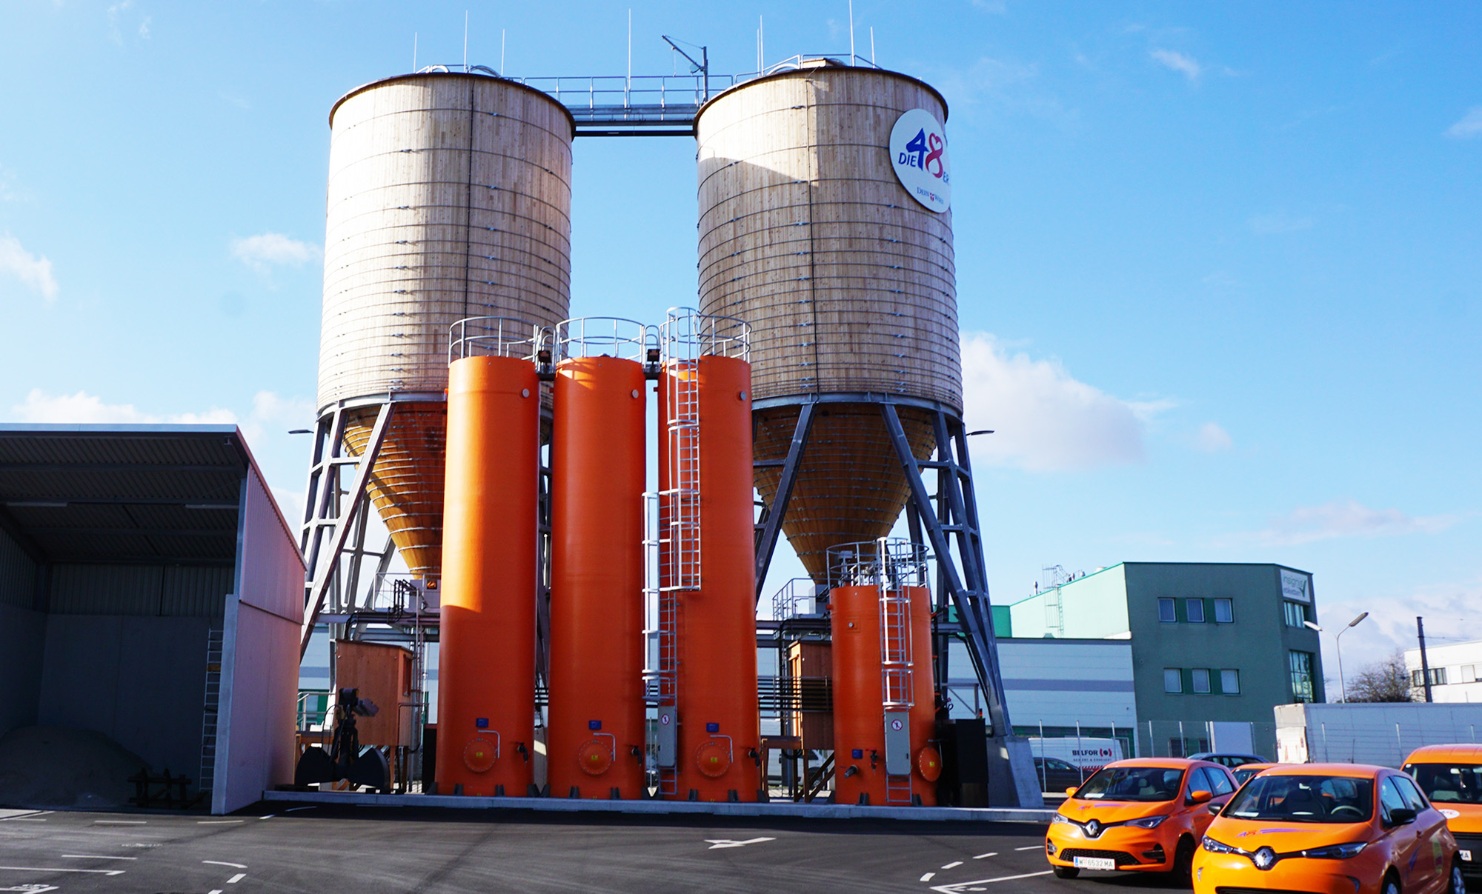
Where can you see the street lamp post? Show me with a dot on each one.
(1338, 644)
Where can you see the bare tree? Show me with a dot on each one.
(1385, 680)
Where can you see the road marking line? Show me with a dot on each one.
(55, 869)
(269, 816)
(716, 843)
(295, 809)
(215, 891)
(93, 857)
(927, 877)
(236, 878)
(986, 856)
(953, 865)
(1032, 847)
(218, 822)
(120, 822)
(961, 887)
(220, 863)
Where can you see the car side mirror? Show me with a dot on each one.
(1070, 792)
(1400, 816)
(1214, 809)
(1199, 796)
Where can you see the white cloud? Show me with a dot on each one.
(1469, 127)
(1212, 438)
(144, 28)
(1345, 519)
(32, 270)
(1184, 64)
(273, 249)
(1043, 418)
(1278, 223)
(1449, 609)
(82, 407)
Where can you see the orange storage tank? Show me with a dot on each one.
(596, 731)
(719, 736)
(486, 661)
(867, 661)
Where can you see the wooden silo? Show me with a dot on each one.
(449, 197)
(808, 234)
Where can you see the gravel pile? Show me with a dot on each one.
(51, 766)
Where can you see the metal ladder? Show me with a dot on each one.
(679, 536)
(212, 704)
(895, 666)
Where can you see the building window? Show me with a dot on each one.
(1437, 675)
(1230, 681)
(1468, 673)
(1166, 610)
(1173, 680)
(1194, 609)
(1200, 677)
(1224, 611)
(1295, 613)
(1301, 667)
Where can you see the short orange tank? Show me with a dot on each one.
(860, 654)
(595, 743)
(486, 661)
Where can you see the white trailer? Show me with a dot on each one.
(1382, 733)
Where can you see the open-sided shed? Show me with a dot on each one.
(151, 590)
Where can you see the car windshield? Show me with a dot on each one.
(1133, 784)
(1304, 799)
(1442, 783)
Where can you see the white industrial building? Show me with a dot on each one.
(1455, 672)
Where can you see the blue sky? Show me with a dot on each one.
(1219, 265)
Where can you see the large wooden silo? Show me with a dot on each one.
(449, 198)
(847, 280)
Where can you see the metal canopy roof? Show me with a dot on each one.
(123, 494)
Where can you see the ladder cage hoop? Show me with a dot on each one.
(494, 336)
(603, 337)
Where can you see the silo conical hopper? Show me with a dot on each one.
(449, 198)
(846, 277)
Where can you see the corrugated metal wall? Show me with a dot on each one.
(17, 575)
(168, 591)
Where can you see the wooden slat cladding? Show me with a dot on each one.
(406, 484)
(850, 486)
(805, 233)
(449, 197)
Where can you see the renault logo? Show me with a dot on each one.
(1264, 858)
(1093, 828)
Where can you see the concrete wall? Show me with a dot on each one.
(22, 631)
(138, 680)
(256, 746)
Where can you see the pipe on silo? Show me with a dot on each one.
(486, 662)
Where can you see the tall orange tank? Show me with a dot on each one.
(486, 671)
(884, 711)
(595, 744)
(718, 738)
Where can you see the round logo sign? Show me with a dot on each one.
(918, 152)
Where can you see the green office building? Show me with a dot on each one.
(1215, 646)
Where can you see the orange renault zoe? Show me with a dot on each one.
(1329, 829)
(1142, 815)
(1451, 776)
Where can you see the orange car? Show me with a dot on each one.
(1329, 829)
(1451, 776)
(1143, 815)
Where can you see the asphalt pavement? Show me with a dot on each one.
(313, 848)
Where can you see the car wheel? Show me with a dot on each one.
(1065, 871)
(1183, 863)
(1391, 886)
(1457, 884)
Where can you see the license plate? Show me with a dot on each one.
(1466, 856)
(1094, 863)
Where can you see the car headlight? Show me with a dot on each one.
(1057, 818)
(1147, 822)
(1336, 851)
(1216, 847)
